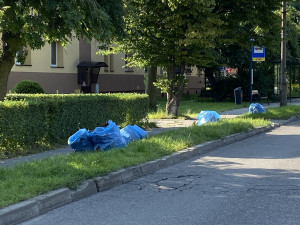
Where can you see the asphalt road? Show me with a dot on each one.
(254, 181)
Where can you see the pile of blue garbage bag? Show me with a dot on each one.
(207, 116)
(105, 138)
(256, 108)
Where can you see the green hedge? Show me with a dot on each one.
(22, 126)
(33, 121)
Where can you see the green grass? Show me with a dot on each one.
(30, 179)
(190, 109)
(280, 113)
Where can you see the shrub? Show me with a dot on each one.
(32, 121)
(22, 127)
(28, 87)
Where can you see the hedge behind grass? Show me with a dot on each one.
(29, 123)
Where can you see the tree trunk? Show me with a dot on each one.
(11, 44)
(175, 91)
(5, 68)
(150, 88)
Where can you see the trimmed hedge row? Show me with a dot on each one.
(30, 121)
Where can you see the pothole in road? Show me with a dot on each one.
(174, 183)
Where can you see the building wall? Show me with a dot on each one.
(63, 79)
(40, 60)
(52, 82)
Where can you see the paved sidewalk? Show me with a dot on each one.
(163, 126)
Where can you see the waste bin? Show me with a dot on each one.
(238, 95)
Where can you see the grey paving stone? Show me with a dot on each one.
(88, 188)
(229, 139)
(200, 149)
(240, 136)
(130, 173)
(19, 212)
(254, 132)
(194, 151)
(206, 147)
(264, 129)
(53, 199)
(294, 118)
(181, 155)
(150, 167)
(166, 161)
(108, 181)
(216, 144)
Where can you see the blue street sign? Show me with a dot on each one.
(258, 53)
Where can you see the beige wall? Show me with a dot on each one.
(64, 79)
(67, 83)
(119, 62)
(50, 82)
(40, 60)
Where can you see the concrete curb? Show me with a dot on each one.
(36, 206)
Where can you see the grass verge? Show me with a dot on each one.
(279, 113)
(31, 179)
(190, 109)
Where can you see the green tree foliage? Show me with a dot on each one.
(239, 56)
(169, 34)
(243, 20)
(35, 22)
(176, 33)
(293, 29)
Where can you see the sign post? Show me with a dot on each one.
(257, 55)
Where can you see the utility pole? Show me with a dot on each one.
(283, 85)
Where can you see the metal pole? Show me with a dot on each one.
(290, 81)
(251, 70)
(283, 85)
(251, 79)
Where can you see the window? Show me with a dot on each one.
(56, 54)
(127, 68)
(188, 70)
(106, 61)
(24, 51)
(109, 60)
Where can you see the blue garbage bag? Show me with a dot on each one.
(80, 141)
(107, 137)
(131, 133)
(256, 108)
(142, 133)
(207, 116)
